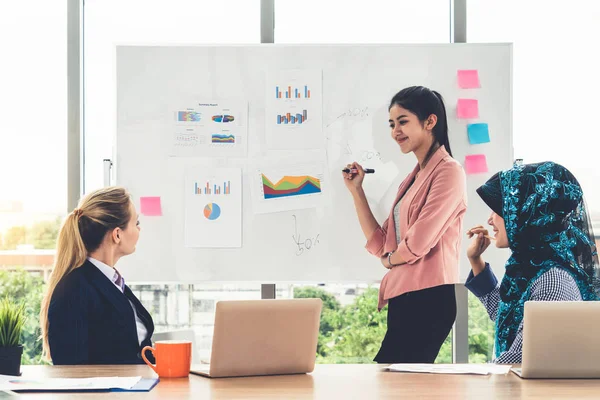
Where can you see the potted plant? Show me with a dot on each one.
(12, 319)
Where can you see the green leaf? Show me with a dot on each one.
(12, 320)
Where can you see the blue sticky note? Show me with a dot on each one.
(478, 133)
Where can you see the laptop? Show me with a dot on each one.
(560, 340)
(263, 337)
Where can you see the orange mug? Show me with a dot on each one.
(173, 358)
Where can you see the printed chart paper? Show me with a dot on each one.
(294, 110)
(213, 207)
(296, 183)
(210, 129)
(45, 384)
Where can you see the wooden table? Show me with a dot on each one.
(326, 382)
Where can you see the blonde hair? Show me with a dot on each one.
(81, 233)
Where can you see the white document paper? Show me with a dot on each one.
(294, 110)
(296, 182)
(213, 207)
(103, 383)
(474, 369)
(213, 128)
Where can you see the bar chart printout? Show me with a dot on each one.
(213, 207)
(289, 118)
(293, 110)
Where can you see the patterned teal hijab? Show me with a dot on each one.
(548, 226)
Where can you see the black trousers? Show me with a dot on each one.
(417, 325)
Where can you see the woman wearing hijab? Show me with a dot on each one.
(538, 211)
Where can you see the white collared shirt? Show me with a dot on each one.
(112, 276)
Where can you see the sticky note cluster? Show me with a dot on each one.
(477, 132)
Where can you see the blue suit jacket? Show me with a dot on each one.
(92, 322)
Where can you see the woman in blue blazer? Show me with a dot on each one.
(89, 315)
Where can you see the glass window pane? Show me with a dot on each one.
(481, 332)
(108, 23)
(33, 149)
(176, 307)
(351, 329)
(376, 21)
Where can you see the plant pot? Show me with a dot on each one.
(10, 360)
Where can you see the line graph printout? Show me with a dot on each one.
(214, 128)
(213, 207)
(294, 110)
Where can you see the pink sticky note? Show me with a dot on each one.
(468, 79)
(467, 109)
(150, 206)
(476, 164)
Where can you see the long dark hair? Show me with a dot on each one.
(423, 102)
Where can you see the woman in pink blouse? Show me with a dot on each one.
(419, 242)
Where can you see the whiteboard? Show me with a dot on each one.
(320, 244)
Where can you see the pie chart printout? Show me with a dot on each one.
(212, 211)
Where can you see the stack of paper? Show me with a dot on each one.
(476, 369)
(51, 384)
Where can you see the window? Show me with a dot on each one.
(351, 329)
(555, 98)
(108, 23)
(33, 133)
(175, 307)
(556, 84)
(481, 332)
(376, 21)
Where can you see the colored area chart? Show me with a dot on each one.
(213, 189)
(223, 118)
(189, 116)
(216, 138)
(290, 186)
(295, 119)
(212, 211)
(292, 93)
